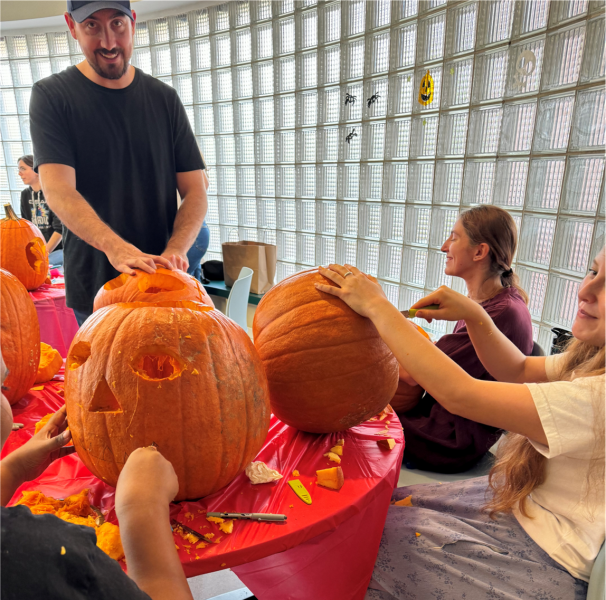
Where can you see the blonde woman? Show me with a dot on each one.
(533, 527)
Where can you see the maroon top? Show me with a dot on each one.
(437, 440)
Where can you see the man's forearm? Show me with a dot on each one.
(80, 218)
(188, 222)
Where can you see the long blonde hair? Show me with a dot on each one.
(520, 468)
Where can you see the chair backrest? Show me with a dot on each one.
(237, 303)
(537, 350)
(596, 580)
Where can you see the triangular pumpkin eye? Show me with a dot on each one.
(104, 399)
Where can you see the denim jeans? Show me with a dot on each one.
(197, 251)
(81, 316)
(55, 258)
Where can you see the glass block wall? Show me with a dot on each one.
(309, 118)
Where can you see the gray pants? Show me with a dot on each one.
(462, 554)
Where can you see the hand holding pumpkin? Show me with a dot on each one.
(147, 480)
(177, 258)
(125, 258)
(357, 290)
(31, 459)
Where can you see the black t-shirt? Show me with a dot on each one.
(34, 568)
(35, 209)
(126, 146)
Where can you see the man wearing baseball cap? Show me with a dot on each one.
(113, 146)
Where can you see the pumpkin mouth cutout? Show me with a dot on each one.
(34, 252)
(116, 283)
(158, 283)
(78, 356)
(155, 364)
(104, 400)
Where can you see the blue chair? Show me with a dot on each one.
(596, 589)
(237, 303)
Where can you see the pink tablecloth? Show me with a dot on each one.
(324, 551)
(58, 323)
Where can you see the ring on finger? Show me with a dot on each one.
(348, 273)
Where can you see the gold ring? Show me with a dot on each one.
(348, 273)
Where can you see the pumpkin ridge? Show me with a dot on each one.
(332, 318)
(318, 347)
(283, 314)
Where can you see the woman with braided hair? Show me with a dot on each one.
(480, 250)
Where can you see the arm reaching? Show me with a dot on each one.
(499, 355)
(59, 186)
(192, 189)
(503, 405)
(146, 486)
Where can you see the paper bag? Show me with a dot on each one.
(259, 257)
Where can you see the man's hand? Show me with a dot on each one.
(178, 258)
(29, 461)
(125, 257)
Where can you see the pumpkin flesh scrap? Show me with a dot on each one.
(50, 363)
(330, 478)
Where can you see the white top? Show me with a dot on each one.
(567, 522)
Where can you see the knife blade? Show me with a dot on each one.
(411, 312)
(250, 516)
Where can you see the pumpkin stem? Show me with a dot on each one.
(10, 213)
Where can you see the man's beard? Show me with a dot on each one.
(110, 71)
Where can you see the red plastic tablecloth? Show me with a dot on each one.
(326, 550)
(58, 323)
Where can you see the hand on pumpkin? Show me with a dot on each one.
(125, 258)
(453, 306)
(147, 479)
(30, 460)
(360, 291)
(177, 258)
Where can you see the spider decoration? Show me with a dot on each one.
(372, 100)
(351, 136)
(349, 99)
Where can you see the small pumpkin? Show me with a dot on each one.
(20, 332)
(50, 363)
(179, 375)
(328, 368)
(23, 250)
(162, 286)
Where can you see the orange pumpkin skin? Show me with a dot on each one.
(20, 334)
(23, 250)
(176, 374)
(162, 286)
(50, 363)
(327, 367)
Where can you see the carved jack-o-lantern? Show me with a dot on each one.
(162, 286)
(23, 250)
(179, 375)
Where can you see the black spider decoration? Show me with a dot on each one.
(349, 98)
(351, 136)
(372, 100)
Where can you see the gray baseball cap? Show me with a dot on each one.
(80, 11)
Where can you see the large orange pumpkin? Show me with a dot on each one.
(23, 250)
(176, 374)
(327, 367)
(20, 333)
(162, 286)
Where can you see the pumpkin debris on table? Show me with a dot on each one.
(404, 502)
(50, 363)
(331, 478)
(333, 457)
(338, 450)
(227, 526)
(388, 444)
(20, 332)
(77, 509)
(340, 443)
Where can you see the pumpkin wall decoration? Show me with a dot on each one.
(23, 250)
(176, 374)
(20, 334)
(327, 367)
(162, 286)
